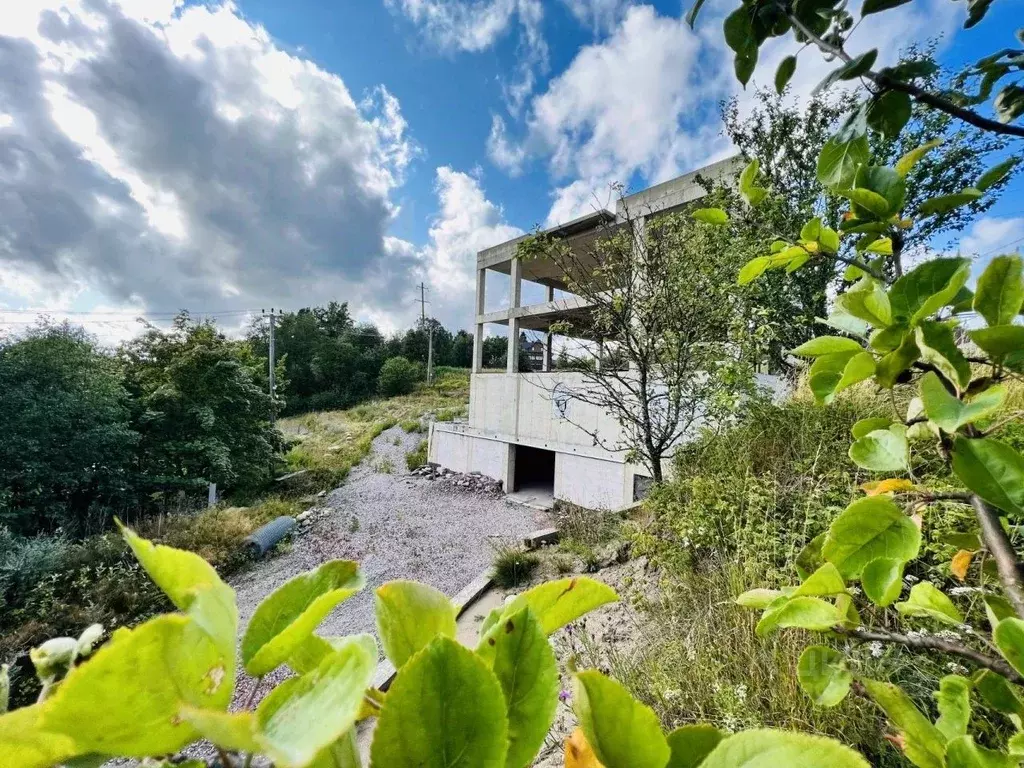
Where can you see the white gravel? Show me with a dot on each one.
(396, 526)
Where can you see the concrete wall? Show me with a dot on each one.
(593, 483)
(538, 408)
(468, 453)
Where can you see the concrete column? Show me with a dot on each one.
(478, 333)
(600, 355)
(549, 338)
(515, 293)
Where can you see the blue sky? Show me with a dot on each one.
(231, 157)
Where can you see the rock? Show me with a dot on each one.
(304, 516)
(613, 553)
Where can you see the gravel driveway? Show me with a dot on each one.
(397, 527)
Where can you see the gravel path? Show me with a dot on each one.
(397, 527)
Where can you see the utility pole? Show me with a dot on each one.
(430, 333)
(272, 363)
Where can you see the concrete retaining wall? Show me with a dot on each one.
(467, 453)
(592, 483)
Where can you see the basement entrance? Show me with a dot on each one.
(534, 477)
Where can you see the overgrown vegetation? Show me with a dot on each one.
(513, 566)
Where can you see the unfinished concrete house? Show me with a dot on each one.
(526, 428)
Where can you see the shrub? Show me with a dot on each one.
(417, 458)
(25, 562)
(397, 377)
(513, 566)
(412, 425)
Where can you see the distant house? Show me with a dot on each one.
(524, 426)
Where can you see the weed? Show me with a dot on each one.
(513, 566)
(353, 524)
(563, 564)
(412, 425)
(417, 458)
(396, 440)
(385, 466)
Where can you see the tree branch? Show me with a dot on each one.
(861, 266)
(919, 94)
(998, 544)
(935, 643)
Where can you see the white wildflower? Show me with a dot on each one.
(876, 649)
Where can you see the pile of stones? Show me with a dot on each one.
(474, 482)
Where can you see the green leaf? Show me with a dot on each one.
(870, 528)
(1009, 639)
(999, 341)
(828, 239)
(288, 616)
(938, 347)
(885, 182)
(962, 752)
(825, 374)
(927, 601)
(235, 731)
(869, 302)
(556, 603)
(870, 201)
(444, 710)
(869, 425)
(954, 703)
(314, 649)
(622, 732)
(946, 203)
(409, 616)
(849, 71)
(882, 580)
(1000, 290)
(890, 112)
(825, 581)
(924, 745)
(802, 612)
(711, 216)
(739, 36)
(927, 288)
(753, 269)
(25, 744)
(344, 753)
(810, 231)
(102, 703)
(991, 469)
(748, 189)
(997, 607)
(823, 675)
(909, 160)
(948, 412)
(997, 692)
(875, 6)
(304, 716)
(526, 668)
(884, 450)
(994, 175)
(890, 368)
(763, 748)
(784, 73)
(758, 598)
(809, 559)
(839, 161)
(827, 345)
(859, 368)
(690, 744)
(183, 576)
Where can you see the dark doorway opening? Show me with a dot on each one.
(534, 470)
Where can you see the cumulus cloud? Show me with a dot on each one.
(992, 236)
(170, 157)
(641, 105)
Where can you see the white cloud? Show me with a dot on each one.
(467, 222)
(991, 236)
(162, 156)
(455, 26)
(599, 15)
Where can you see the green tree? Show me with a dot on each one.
(200, 408)
(67, 458)
(398, 376)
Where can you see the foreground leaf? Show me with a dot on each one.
(924, 745)
(1000, 291)
(690, 744)
(962, 752)
(949, 412)
(869, 529)
(291, 612)
(526, 667)
(410, 615)
(882, 580)
(927, 288)
(823, 675)
(579, 753)
(1009, 639)
(445, 709)
(991, 469)
(928, 601)
(25, 744)
(884, 450)
(622, 732)
(802, 612)
(954, 703)
(556, 603)
(774, 749)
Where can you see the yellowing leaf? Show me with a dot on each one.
(891, 485)
(961, 562)
(578, 753)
